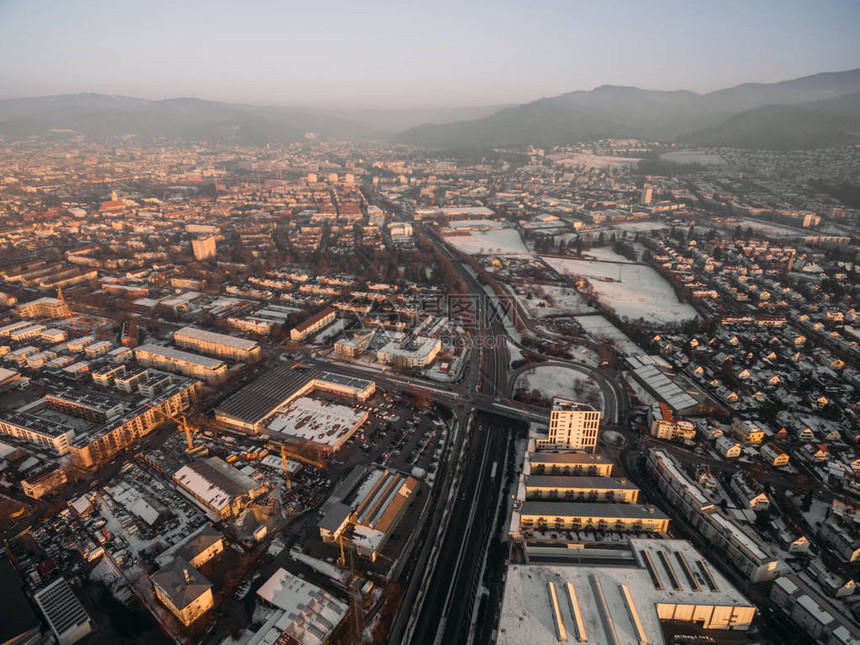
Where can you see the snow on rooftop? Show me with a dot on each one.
(310, 613)
(318, 421)
(527, 614)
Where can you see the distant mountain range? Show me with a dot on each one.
(99, 115)
(812, 111)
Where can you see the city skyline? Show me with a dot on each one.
(332, 57)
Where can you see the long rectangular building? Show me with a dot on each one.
(252, 406)
(220, 490)
(581, 489)
(744, 551)
(100, 444)
(576, 516)
(621, 596)
(220, 345)
(209, 370)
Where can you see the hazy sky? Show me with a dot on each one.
(339, 54)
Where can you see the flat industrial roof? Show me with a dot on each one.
(527, 613)
(584, 509)
(259, 399)
(563, 481)
(574, 458)
(344, 380)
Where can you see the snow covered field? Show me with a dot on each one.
(565, 300)
(693, 156)
(596, 161)
(768, 229)
(636, 291)
(599, 329)
(606, 254)
(556, 380)
(641, 227)
(502, 241)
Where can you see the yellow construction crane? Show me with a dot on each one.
(181, 421)
(286, 468)
(355, 607)
(277, 445)
(62, 299)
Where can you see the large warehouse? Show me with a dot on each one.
(251, 407)
(220, 490)
(325, 425)
(648, 582)
(369, 511)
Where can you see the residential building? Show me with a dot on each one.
(183, 590)
(774, 455)
(728, 447)
(312, 325)
(411, 352)
(576, 516)
(204, 248)
(742, 550)
(572, 425)
(220, 345)
(747, 432)
(44, 308)
(209, 370)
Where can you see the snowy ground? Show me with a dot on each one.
(693, 156)
(599, 329)
(770, 230)
(514, 352)
(556, 380)
(596, 161)
(639, 226)
(330, 332)
(635, 291)
(501, 241)
(566, 300)
(606, 254)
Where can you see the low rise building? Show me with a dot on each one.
(619, 596)
(220, 345)
(813, 613)
(45, 483)
(580, 489)
(747, 432)
(65, 614)
(774, 455)
(417, 351)
(209, 370)
(221, 491)
(325, 425)
(370, 511)
(304, 613)
(312, 325)
(741, 549)
(183, 590)
(576, 516)
(728, 447)
(44, 308)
